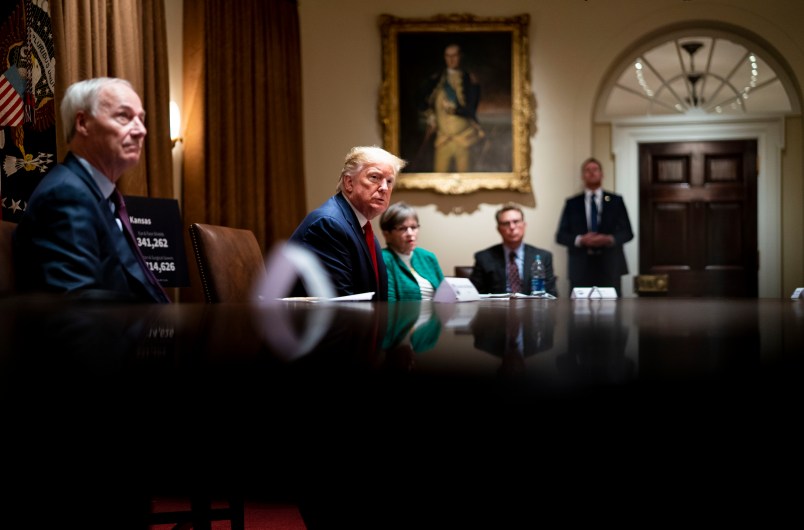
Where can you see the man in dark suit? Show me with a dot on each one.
(594, 226)
(490, 273)
(337, 232)
(71, 238)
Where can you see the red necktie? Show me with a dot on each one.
(122, 214)
(372, 250)
(513, 273)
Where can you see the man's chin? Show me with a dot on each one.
(377, 209)
(130, 162)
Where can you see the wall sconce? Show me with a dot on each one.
(175, 124)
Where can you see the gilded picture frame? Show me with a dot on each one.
(473, 134)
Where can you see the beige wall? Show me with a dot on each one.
(573, 44)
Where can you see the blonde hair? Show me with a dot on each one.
(359, 157)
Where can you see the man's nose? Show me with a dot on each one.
(138, 127)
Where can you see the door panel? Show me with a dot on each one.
(698, 216)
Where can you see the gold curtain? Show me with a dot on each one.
(242, 103)
(95, 38)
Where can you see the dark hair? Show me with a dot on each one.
(396, 214)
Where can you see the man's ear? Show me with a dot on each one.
(81, 118)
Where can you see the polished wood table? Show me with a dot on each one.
(372, 413)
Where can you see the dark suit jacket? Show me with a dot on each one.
(489, 271)
(68, 241)
(334, 235)
(603, 267)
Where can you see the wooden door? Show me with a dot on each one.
(698, 216)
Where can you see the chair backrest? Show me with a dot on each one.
(463, 271)
(6, 258)
(229, 262)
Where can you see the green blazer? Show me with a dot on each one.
(401, 283)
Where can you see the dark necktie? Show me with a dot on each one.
(592, 213)
(513, 273)
(122, 214)
(372, 250)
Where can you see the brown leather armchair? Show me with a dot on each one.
(463, 271)
(229, 262)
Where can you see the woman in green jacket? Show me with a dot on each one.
(413, 272)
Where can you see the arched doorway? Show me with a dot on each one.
(701, 84)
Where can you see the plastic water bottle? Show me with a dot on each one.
(537, 275)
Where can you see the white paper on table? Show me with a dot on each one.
(359, 297)
(354, 297)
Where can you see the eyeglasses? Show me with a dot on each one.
(515, 222)
(404, 229)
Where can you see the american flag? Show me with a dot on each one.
(12, 87)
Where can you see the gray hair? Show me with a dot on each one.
(360, 156)
(396, 214)
(83, 96)
(507, 208)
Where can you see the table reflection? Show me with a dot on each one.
(412, 328)
(602, 341)
(513, 331)
(297, 393)
(596, 342)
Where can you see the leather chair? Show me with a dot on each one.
(463, 271)
(6, 258)
(229, 262)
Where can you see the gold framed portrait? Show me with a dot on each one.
(456, 101)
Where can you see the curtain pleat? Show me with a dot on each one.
(243, 139)
(158, 163)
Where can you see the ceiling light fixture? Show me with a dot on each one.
(692, 76)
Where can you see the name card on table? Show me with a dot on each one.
(595, 293)
(454, 290)
(798, 293)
